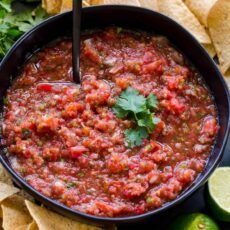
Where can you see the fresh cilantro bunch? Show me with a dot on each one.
(12, 25)
(131, 105)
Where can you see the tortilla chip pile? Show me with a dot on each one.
(207, 20)
(17, 212)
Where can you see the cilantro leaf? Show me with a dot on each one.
(6, 5)
(146, 120)
(28, 19)
(135, 136)
(133, 106)
(130, 100)
(12, 25)
(152, 102)
(120, 113)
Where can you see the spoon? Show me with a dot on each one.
(50, 86)
(77, 7)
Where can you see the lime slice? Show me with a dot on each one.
(219, 193)
(194, 221)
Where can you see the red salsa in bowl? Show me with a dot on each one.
(70, 144)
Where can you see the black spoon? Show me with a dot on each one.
(48, 86)
(77, 7)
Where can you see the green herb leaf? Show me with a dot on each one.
(28, 19)
(135, 136)
(131, 105)
(146, 120)
(12, 25)
(26, 133)
(131, 100)
(152, 102)
(6, 5)
(71, 184)
(120, 113)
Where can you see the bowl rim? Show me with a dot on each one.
(101, 219)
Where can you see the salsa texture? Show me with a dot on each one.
(66, 141)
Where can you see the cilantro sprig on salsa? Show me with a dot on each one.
(134, 106)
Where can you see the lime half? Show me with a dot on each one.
(194, 221)
(219, 193)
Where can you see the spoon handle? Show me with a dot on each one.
(77, 7)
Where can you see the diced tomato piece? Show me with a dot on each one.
(45, 86)
(117, 68)
(77, 151)
(51, 153)
(152, 67)
(116, 163)
(153, 200)
(155, 146)
(158, 129)
(133, 189)
(173, 105)
(198, 148)
(105, 208)
(91, 52)
(185, 175)
(146, 166)
(47, 124)
(152, 147)
(57, 188)
(209, 126)
(148, 57)
(177, 106)
(139, 209)
(124, 81)
(72, 109)
(174, 82)
(99, 91)
(106, 126)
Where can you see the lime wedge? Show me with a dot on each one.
(194, 221)
(219, 193)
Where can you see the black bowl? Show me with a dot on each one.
(131, 17)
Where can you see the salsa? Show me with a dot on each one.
(66, 141)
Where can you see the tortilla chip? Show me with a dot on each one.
(178, 11)
(151, 4)
(23, 227)
(48, 220)
(6, 191)
(32, 226)
(52, 6)
(25, 195)
(85, 3)
(66, 5)
(127, 2)
(15, 213)
(210, 49)
(219, 29)
(4, 176)
(200, 8)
